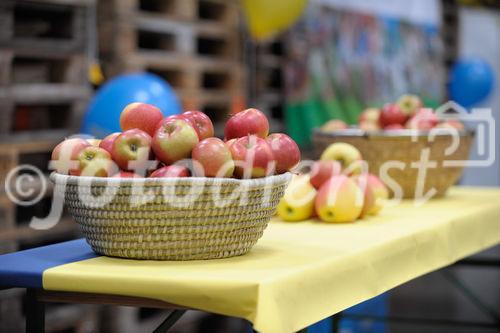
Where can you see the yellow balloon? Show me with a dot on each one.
(267, 17)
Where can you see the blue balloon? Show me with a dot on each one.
(471, 81)
(103, 114)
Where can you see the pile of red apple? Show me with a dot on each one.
(407, 113)
(184, 145)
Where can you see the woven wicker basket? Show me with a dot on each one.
(405, 146)
(171, 218)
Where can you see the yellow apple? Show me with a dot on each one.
(348, 156)
(339, 200)
(381, 193)
(369, 199)
(297, 204)
(334, 125)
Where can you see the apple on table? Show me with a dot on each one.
(132, 151)
(170, 171)
(347, 155)
(452, 124)
(94, 162)
(339, 200)
(297, 204)
(107, 142)
(285, 151)
(392, 114)
(247, 122)
(174, 140)
(65, 154)
(321, 171)
(409, 104)
(369, 115)
(253, 158)
(334, 125)
(140, 116)
(200, 122)
(213, 158)
(425, 119)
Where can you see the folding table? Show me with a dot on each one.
(296, 275)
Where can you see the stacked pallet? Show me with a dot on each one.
(268, 91)
(193, 44)
(26, 194)
(43, 52)
(43, 93)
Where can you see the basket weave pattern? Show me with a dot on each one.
(171, 219)
(378, 148)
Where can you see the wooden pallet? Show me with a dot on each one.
(43, 93)
(14, 218)
(43, 64)
(37, 108)
(17, 68)
(44, 27)
(268, 81)
(16, 234)
(193, 44)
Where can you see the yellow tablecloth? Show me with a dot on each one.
(300, 273)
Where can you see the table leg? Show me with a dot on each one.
(170, 321)
(35, 313)
(336, 322)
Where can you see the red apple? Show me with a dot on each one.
(126, 174)
(253, 157)
(65, 154)
(141, 116)
(370, 115)
(321, 171)
(201, 123)
(107, 142)
(173, 117)
(394, 127)
(131, 151)
(452, 123)
(247, 122)
(392, 114)
(380, 192)
(95, 162)
(214, 157)
(170, 171)
(285, 150)
(174, 140)
(229, 143)
(424, 119)
(409, 104)
(334, 125)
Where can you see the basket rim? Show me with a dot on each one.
(58, 178)
(399, 133)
